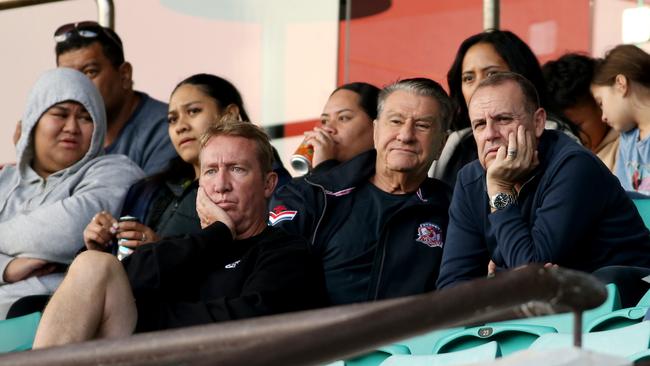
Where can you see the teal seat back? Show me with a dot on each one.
(377, 356)
(643, 206)
(17, 334)
(645, 300)
(624, 342)
(510, 337)
(563, 323)
(618, 319)
(480, 354)
(422, 345)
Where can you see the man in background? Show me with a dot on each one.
(137, 123)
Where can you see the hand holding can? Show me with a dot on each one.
(302, 158)
(124, 251)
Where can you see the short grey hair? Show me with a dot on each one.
(422, 87)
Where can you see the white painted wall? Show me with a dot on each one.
(281, 54)
(607, 25)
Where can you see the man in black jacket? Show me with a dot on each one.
(236, 267)
(377, 222)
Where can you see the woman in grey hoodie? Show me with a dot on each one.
(59, 182)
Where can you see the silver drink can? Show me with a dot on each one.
(123, 251)
(302, 157)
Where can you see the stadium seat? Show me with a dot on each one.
(617, 319)
(563, 323)
(645, 300)
(630, 342)
(483, 353)
(643, 206)
(424, 344)
(640, 356)
(17, 334)
(377, 356)
(421, 345)
(510, 337)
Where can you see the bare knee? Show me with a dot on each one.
(94, 265)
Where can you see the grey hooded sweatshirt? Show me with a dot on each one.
(45, 218)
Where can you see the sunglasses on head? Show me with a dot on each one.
(87, 29)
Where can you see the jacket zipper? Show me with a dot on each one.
(383, 250)
(322, 215)
(381, 270)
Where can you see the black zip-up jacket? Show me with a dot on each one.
(409, 250)
(209, 277)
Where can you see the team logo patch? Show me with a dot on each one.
(430, 234)
(280, 213)
(232, 265)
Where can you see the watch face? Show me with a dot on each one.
(502, 200)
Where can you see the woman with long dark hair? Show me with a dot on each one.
(165, 204)
(478, 57)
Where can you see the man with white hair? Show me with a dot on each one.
(377, 221)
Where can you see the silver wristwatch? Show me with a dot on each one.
(502, 200)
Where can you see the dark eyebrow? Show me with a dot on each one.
(503, 115)
(474, 122)
(491, 67)
(90, 63)
(59, 108)
(185, 105)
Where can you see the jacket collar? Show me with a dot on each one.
(348, 174)
(342, 179)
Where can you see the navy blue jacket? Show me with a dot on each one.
(406, 260)
(573, 212)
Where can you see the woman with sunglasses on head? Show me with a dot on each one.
(135, 121)
(165, 204)
(478, 57)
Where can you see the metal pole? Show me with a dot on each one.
(105, 8)
(346, 52)
(491, 14)
(577, 328)
(106, 13)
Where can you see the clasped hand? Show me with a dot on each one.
(104, 228)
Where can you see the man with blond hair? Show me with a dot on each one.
(236, 267)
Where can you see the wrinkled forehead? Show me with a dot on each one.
(67, 107)
(229, 150)
(502, 98)
(410, 104)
